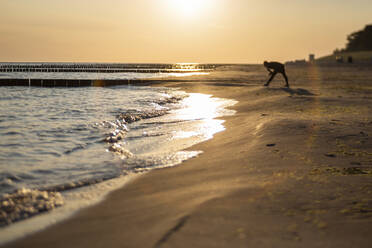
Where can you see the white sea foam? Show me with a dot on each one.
(75, 201)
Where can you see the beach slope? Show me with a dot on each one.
(292, 169)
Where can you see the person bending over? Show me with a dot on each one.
(274, 68)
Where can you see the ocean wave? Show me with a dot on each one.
(131, 116)
(74, 149)
(116, 136)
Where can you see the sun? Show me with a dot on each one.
(188, 8)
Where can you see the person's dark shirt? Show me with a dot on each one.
(275, 66)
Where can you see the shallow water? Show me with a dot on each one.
(54, 138)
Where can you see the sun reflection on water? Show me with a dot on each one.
(200, 106)
(202, 110)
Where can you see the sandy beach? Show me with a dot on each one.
(292, 169)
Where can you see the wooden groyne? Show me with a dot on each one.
(72, 82)
(45, 68)
(103, 68)
(96, 70)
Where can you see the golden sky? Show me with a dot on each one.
(170, 31)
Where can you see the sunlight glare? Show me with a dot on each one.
(202, 109)
(189, 8)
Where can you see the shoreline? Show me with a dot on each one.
(277, 176)
(78, 195)
(77, 200)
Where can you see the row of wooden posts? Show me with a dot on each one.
(95, 70)
(107, 68)
(70, 82)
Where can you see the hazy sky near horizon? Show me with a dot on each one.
(169, 31)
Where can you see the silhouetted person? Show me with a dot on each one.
(274, 68)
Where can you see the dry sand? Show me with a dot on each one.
(292, 169)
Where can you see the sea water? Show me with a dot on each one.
(84, 142)
(58, 136)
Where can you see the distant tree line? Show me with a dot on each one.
(358, 41)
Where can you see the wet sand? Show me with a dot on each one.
(292, 169)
